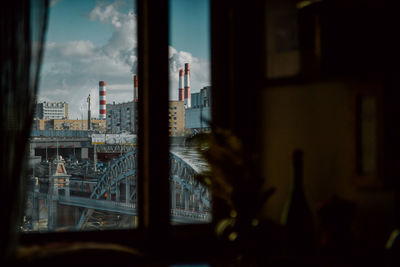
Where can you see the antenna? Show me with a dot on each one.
(89, 114)
(81, 122)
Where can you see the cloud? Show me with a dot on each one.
(199, 71)
(53, 2)
(73, 69)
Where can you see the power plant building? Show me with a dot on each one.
(121, 117)
(51, 110)
(199, 114)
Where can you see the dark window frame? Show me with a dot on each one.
(230, 22)
(154, 222)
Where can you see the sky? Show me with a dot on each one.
(95, 40)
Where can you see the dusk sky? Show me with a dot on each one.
(89, 41)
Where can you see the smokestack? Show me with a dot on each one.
(89, 114)
(102, 103)
(180, 92)
(187, 86)
(135, 88)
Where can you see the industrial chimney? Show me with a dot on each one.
(89, 114)
(180, 92)
(102, 103)
(135, 88)
(187, 86)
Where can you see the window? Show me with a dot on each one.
(189, 35)
(156, 143)
(86, 31)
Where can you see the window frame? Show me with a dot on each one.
(153, 143)
(229, 25)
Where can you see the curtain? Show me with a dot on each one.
(22, 30)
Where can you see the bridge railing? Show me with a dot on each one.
(195, 215)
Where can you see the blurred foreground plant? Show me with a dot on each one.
(232, 175)
(234, 178)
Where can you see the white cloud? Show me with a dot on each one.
(104, 12)
(53, 2)
(72, 70)
(121, 86)
(199, 71)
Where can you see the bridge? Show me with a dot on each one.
(115, 191)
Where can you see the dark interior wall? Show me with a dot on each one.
(318, 118)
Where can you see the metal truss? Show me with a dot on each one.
(190, 200)
(191, 194)
(114, 148)
(124, 168)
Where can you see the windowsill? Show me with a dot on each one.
(128, 237)
(194, 244)
(184, 244)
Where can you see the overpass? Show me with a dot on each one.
(82, 144)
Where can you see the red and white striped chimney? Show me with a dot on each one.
(135, 88)
(181, 97)
(187, 86)
(102, 98)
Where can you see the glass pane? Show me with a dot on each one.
(83, 138)
(189, 108)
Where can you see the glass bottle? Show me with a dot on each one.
(297, 216)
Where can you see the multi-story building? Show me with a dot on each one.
(38, 124)
(74, 125)
(176, 116)
(51, 110)
(121, 117)
(97, 125)
(198, 116)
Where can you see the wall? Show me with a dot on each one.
(121, 117)
(318, 119)
(176, 115)
(283, 54)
